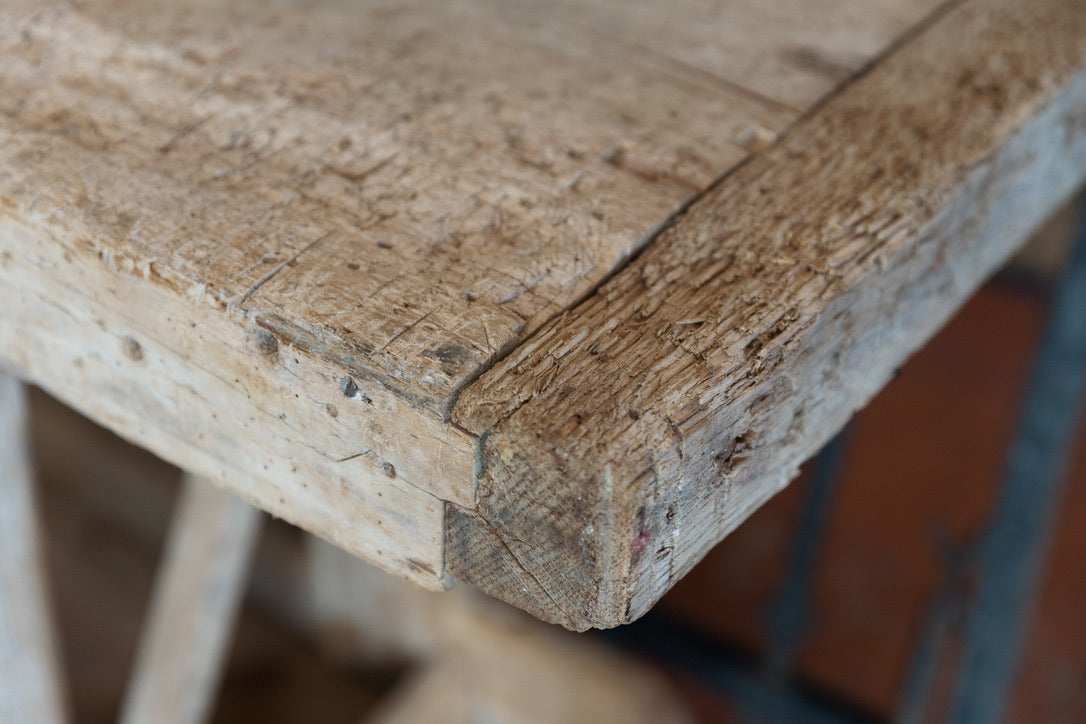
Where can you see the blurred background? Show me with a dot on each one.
(323, 638)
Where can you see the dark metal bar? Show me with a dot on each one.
(1008, 556)
(943, 613)
(788, 616)
(761, 689)
(917, 696)
(732, 675)
(1011, 552)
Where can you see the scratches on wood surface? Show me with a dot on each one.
(452, 205)
(779, 304)
(322, 224)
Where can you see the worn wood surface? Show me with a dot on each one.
(270, 242)
(190, 624)
(652, 419)
(346, 260)
(31, 689)
(274, 428)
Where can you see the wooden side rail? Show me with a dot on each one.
(632, 433)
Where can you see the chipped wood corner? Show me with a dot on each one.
(624, 440)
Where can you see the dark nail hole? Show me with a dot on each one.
(133, 350)
(266, 342)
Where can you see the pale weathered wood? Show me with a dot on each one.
(633, 433)
(275, 428)
(277, 252)
(272, 242)
(790, 52)
(429, 207)
(441, 177)
(30, 685)
(199, 588)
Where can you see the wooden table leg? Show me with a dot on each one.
(195, 602)
(30, 683)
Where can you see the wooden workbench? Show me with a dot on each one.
(544, 297)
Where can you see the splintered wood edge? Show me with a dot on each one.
(627, 437)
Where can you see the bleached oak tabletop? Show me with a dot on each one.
(542, 296)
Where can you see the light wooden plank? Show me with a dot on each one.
(430, 208)
(632, 434)
(198, 591)
(791, 52)
(374, 184)
(31, 689)
(276, 428)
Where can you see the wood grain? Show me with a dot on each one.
(395, 271)
(358, 179)
(630, 435)
(31, 688)
(271, 242)
(195, 387)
